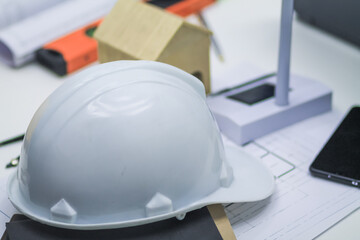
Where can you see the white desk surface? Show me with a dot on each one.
(247, 30)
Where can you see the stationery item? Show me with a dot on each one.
(71, 52)
(222, 221)
(339, 160)
(20, 41)
(12, 140)
(13, 162)
(197, 225)
(214, 42)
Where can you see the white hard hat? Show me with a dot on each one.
(127, 143)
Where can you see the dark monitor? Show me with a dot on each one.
(338, 17)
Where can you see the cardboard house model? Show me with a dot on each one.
(139, 31)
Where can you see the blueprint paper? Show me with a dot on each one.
(12, 11)
(19, 41)
(302, 206)
(6, 208)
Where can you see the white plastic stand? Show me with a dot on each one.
(306, 98)
(242, 123)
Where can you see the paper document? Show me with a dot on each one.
(12, 11)
(302, 206)
(6, 208)
(19, 42)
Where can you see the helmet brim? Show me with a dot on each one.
(252, 182)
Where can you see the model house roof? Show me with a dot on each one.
(141, 30)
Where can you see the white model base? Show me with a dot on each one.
(242, 122)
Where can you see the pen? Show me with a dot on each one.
(12, 140)
(13, 162)
(213, 40)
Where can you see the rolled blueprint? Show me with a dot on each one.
(19, 41)
(12, 11)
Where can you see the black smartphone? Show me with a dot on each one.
(339, 160)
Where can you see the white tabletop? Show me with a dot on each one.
(247, 31)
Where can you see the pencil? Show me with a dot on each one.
(213, 40)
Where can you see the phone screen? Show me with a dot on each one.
(339, 160)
